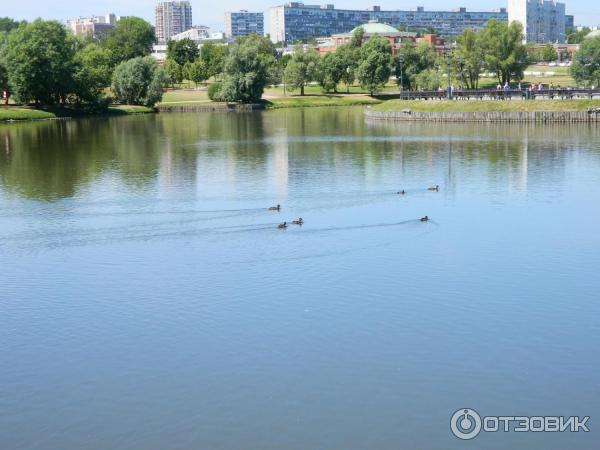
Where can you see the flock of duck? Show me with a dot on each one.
(300, 221)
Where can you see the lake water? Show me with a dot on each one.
(149, 301)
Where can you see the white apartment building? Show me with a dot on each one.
(543, 20)
(93, 26)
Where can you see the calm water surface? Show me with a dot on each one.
(148, 300)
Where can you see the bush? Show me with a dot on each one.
(139, 81)
(214, 92)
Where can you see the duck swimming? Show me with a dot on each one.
(298, 222)
(402, 192)
(275, 208)
(436, 188)
(282, 225)
(425, 219)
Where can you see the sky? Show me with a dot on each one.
(587, 12)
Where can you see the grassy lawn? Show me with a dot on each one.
(130, 109)
(185, 96)
(489, 106)
(319, 100)
(15, 113)
(559, 76)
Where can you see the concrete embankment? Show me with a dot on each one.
(539, 117)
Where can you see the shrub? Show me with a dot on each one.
(214, 92)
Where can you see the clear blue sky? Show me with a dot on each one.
(587, 12)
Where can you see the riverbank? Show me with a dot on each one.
(487, 106)
(307, 101)
(23, 114)
(543, 111)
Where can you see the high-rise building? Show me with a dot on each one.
(172, 17)
(242, 23)
(296, 21)
(569, 23)
(543, 20)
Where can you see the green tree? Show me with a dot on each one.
(374, 69)
(504, 51)
(98, 61)
(586, 65)
(196, 71)
(429, 80)
(132, 37)
(577, 37)
(213, 56)
(302, 68)
(7, 24)
(416, 59)
(40, 62)
(183, 51)
(174, 71)
(92, 74)
(329, 72)
(4, 88)
(549, 54)
(469, 56)
(139, 81)
(357, 37)
(347, 56)
(247, 69)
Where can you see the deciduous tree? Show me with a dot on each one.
(183, 51)
(139, 81)
(586, 65)
(132, 37)
(302, 68)
(39, 59)
(504, 51)
(374, 69)
(247, 69)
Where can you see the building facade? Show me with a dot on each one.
(543, 20)
(97, 27)
(296, 21)
(172, 17)
(242, 23)
(569, 23)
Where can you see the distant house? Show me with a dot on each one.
(396, 38)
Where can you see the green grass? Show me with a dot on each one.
(15, 113)
(185, 96)
(489, 106)
(319, 100)
(559, 76)
(130, 109)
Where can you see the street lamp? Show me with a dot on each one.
(448, 67)
(401, 61)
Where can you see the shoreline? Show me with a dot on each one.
(485, 117)
(538, 111)
(20, 114)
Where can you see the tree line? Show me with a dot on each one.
(44, 64)
(252, 63)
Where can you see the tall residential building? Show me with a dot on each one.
(296, 21)
(543, 20)
(172, 17)
(242, 23)
(569, 23)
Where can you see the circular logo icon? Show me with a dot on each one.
(465, 424)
